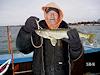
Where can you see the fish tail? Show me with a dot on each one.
(91, 38)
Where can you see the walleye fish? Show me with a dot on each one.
(54, 34)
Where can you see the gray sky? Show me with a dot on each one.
(14, 12)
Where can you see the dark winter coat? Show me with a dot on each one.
(48, 59)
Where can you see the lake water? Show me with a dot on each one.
(4, 38)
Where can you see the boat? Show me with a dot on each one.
(4, 67)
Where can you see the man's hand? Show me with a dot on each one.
(74, 40)
(31, 24)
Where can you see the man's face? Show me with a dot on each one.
(52, 18)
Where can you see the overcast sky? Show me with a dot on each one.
(15, 12)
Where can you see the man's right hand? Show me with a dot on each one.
(31, 24)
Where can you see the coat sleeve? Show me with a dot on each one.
(23, 41)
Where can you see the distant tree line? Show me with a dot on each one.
(85, 23)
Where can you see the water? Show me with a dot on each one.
(15, 30)
(4, 39)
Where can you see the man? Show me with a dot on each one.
(48, 59)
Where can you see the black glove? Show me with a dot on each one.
(31, 24)
(74, 40)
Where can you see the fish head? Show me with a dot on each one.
(42, 32)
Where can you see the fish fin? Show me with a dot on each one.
(53, 41)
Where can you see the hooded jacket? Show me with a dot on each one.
(52, 5)
(47, 59)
